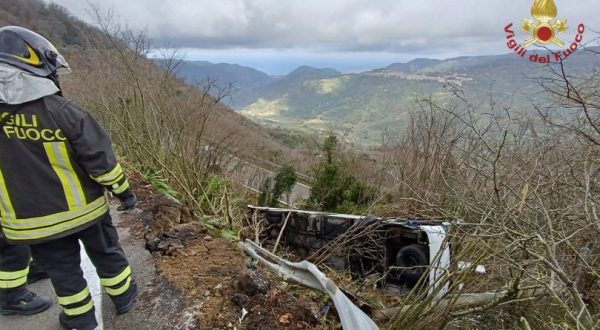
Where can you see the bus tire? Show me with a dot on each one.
(412, 255)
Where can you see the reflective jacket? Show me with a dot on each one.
(56, 163)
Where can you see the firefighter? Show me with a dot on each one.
(56, 164)
(15, 273)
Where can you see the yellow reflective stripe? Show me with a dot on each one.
(110, 176)
(49, 220)
(33, 234)
(6, 276)
(6, 209)
(68, 300)
(122, 188)
(121, 290)
(13, 283)
(80, 310)
(59, 159)
(117, 279)
(32, 59)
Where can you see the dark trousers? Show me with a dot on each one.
(61, 259)
(14, 265)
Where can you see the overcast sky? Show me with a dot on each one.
(349, 35)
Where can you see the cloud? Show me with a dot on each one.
(434, 26)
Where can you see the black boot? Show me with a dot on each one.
(27, 303)
(124, 303)
(36, 273)
(86, 321)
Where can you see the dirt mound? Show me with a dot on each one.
(175, 241)
(269, 307)
(165, 217)
(211, 272)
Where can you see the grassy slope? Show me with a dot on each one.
(81, 43)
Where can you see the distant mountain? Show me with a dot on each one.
(412, 66)
(363, 106)
(244, 77)
(309, 72)
(241, 79)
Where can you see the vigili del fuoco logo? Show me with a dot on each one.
(543, 30)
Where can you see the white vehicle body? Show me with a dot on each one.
(413, 247)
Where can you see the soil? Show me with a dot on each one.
(217, 280)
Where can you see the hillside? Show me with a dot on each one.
(362, 106)
(241, 80)
(52, 21)
(85, 48)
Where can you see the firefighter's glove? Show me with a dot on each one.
(128, 201)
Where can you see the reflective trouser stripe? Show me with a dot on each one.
(117, 279)
(120, 290)
(79, 297)
(111, 177)
(80, 310)
(13, 283)
(9, 280)
(72, 305)
(59, 159)
(6, 208)
(6, 276)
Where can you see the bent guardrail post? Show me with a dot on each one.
(307, 274)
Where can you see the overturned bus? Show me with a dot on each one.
(403, 250)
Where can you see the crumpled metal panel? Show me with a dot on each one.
(307, 274)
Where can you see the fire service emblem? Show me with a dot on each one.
(543, 30)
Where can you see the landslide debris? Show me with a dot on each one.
(214, 276)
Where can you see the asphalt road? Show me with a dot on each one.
(139, 318)
(252, 177)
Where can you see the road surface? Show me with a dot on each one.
(139, 318)
(252, 177)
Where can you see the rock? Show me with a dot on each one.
(208, 238)
(252, 282)
(152, 245)
(175, 250)
(239, 299)
(285, 318)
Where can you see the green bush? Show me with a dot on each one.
(335, 189)
(273, 190)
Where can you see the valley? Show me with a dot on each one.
(366, 107)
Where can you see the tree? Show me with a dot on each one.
(273, 189)
(335, 188)
(326, 192)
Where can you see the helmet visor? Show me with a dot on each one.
(62, 67)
